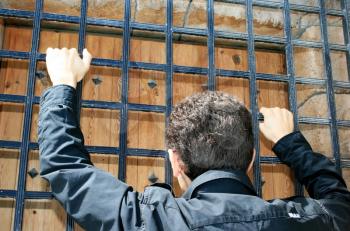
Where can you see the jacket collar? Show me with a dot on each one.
(220, 181)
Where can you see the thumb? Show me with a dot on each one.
(86, 58)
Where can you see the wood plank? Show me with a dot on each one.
(7, 213)
(17, 39)
(229, 58)
(138, 170)
(43, 215)
(239, 88)
(186, 85)
(13, 73)
(271, 94)
(283, 179)
(100, 126)
(146, 130)
(103, 83)
(146, 87)
(11, 121)
(346, 176)
(106, 162)
(9, 164)
(2, 29)
(190, 55)
(278, 181)
(36, 183)
(48, 38)
(268, 187)
(149, 51)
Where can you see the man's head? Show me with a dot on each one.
(210, 130)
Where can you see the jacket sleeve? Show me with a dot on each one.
(94, 198)
(313, 170)
(318, 174)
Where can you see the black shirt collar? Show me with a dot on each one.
(220, 181)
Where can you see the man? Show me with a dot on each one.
(211, 149)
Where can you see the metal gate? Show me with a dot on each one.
(169, 68)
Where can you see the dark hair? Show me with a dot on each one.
(211, 130)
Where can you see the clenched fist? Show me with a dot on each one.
(278, 122)
(65, 66)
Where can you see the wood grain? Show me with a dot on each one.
(7, 213)
(43, 215)
(36, 183)
(278, 181)
(9, 164)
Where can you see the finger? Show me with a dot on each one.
(73, 51)
(262, 127)
(86, 57)
(263, 110)
(49, 49)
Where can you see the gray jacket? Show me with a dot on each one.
(216, 200)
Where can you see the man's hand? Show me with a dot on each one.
(65, 66)
(278, 122)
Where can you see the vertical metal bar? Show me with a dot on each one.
(345, 5)
(81, 46)
(329, 85)
(27, 118)
(124, 109)
(211, 49)
(253, 95)
(169, 78)
(290, 73)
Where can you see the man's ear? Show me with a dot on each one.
(176, 162)
(178, 167)
(251, 163)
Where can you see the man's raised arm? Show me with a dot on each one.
(315, 171)
(93, 197)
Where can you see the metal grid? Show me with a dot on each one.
(123, 151)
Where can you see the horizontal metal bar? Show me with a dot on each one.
(334, 12)
(105, 22)
(271, 77)
(102, 150)
(304, 8)
(268, 4)
(231, 35)
(12, 98)
(7, 193)
(270, 160)
(191, 70)
(145, 152)
(312, 120)
(189, 31)
(14, 54)
(341, 84)
(37, 195)
(147, 108)
(147, 26)
(10, 144)
(345, 164)
(61, 18)
(16, 13)
(343, 123)
(313, 81)
(270, 39)
(231, 73)
(101, 104)
(304, 43)
(147, 66)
